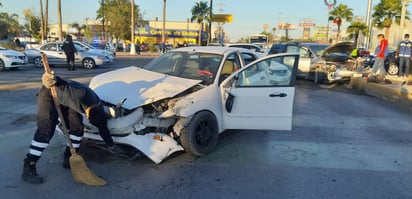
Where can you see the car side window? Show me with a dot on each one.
(292, 49)
(230, 65)
(248, 58)
(276, 71)
(304, 52)
(49, 47)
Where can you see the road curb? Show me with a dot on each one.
(393, 93)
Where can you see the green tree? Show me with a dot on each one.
(340, 13)
(356, 28)
(200, 13)
(32, 24)
(385, 12)
(116, 15)
(9, 25)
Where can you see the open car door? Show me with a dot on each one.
(260, 96)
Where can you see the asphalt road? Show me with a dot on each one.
(343, 145)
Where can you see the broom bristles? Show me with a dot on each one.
(81, 173)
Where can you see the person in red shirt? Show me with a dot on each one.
(381, 52)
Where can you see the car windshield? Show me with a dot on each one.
(190, 65)
(88, 45)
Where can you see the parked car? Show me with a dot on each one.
(109, 56)
(10, 59)
(391, 63)
(105, 46)
(309, 53)
(185, 98)
(56, 56)
(336, 64)
(252, 47)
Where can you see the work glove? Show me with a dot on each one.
(49, 79)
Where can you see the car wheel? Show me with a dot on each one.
(200, 136)
(319, 77)
(38, 62)
(89, 63)
(2, 66)
(393, 69)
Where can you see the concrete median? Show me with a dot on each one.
(395, 93)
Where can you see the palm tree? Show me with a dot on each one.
(355, 28)
(41, 21)
(340, 13)
(200, 12)
(385, 12)
(79, 28)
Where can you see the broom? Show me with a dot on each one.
(80, 172)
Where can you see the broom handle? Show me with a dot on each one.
(57, 105)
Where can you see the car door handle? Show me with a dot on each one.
(278, 95)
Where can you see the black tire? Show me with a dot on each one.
(88, 63)
(319, 77)
(201, 135)
(2, 66)
(38, 62)
(393, 69)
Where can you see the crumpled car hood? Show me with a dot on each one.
(138, 86)
(342, 47)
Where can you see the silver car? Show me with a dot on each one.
(55, 55)
(110, 56)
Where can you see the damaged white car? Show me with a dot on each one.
(185, 98)
(336, 64)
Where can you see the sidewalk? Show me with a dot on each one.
(394, 93)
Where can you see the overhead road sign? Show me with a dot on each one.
(305, 24)
(222, 18)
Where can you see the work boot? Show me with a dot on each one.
(29, 172)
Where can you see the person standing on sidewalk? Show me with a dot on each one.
(404, 52)
(381, 52)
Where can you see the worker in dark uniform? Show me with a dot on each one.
(75, 99)
(69, 50)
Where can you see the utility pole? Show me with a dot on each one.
(210, 22)
(164, 21)
(368, 24)
(132, 46)
(403, 14)
(59, 10)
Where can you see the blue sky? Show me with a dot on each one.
(248, 16)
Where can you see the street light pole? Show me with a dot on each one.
(164, 21)
(403, 13)
(132, 46)
(368, 24)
